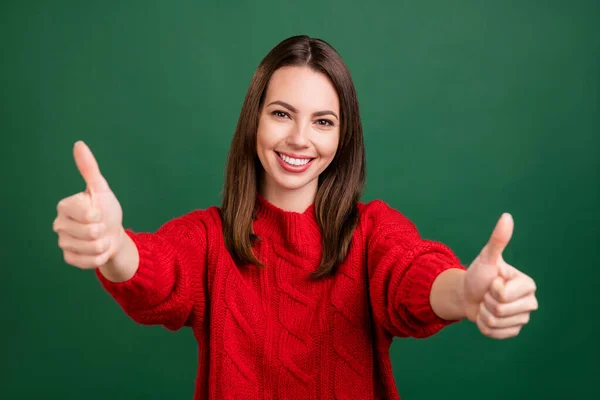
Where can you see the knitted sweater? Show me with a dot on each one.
(273, 333)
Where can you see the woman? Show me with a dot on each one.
(293, 288)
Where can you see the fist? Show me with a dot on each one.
(89, 224)
(499, 298)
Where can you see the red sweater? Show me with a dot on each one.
(272, 333)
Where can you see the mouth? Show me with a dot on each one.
(294, 162)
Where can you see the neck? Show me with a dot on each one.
(296, 200)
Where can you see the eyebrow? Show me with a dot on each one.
(293, 109)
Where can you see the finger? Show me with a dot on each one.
(492, 252)
(85, 261)
(88, 168)
(83, 247)
(78, 207)
(524, 304)
(78, 230)
(518, 287)
(493, 322)
(497, 289)
(508, 271)
(499, 333)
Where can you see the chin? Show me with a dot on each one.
(291, 183)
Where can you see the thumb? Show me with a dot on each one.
(88, 168)
(501, 235)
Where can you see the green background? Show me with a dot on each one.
(470, 108)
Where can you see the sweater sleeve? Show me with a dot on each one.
(168, 287)
(402, 268)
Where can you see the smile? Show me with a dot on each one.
(294, 161)
(294, 164)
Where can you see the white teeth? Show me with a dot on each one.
(294, 161)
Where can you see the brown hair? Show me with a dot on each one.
(340, 185)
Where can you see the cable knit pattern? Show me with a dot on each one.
(354, 354)
(273, 333)
(295, 310)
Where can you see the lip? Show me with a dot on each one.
(294, 168)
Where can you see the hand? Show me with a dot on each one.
(89, 224)
(498, 297)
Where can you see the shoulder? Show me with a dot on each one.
(378, 217)
(200, 221)
(381, 212)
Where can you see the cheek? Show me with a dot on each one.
(267, 135)
(328, 145)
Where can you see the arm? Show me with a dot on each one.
(402, 270)
(447, 296)
(156, 278)
(159, 278)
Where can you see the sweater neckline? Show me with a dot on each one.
(297, 231)
(267, 208)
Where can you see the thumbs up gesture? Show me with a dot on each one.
(498, 297)
(89, 223)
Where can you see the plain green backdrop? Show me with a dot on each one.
(470, 108)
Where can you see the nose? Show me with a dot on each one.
(298, 135)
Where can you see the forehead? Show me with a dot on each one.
(303, 88)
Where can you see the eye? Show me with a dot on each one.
(325, 122)
(280, 114)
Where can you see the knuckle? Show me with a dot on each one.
(498, 310)
(496, 295)
(490, 301)
(502, 296)
(94, 262)
(68, 257)
(532, 284)
(486, 330)
(526, 319)
(99, 246)
(487, 318)
(98, 261)
(63, 204)
(93, 232)
(483, 328)
(88, 215)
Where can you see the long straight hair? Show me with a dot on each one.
(340, 185)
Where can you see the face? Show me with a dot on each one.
(298, 132)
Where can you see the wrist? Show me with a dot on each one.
(124, 263)
(462, 297)
(120, 247)
(448, 298)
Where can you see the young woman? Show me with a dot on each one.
(293, 288)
